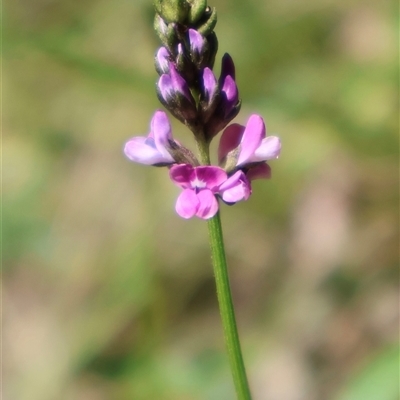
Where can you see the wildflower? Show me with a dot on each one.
(153, 148)
(248, 148)
(200, 186)
(235, 188)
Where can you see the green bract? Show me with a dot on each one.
(208, 26)
(172, 10)
(197, 9)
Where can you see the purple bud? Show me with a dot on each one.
(179, 84)
(196, 42)
(227, 68)
(230, 94)
(162, 61)
(209, 84)
(171, 85)
(165, 87)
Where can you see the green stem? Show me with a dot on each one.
(226, 308)
(224, 295)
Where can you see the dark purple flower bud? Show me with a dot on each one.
(227, 68)
(162, 60)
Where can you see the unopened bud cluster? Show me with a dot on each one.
(187, 86)
(190, 91)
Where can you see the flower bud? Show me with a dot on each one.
(161, 61)
(210, 95)
(166, 33)
(197, 9)
(207, 24)
(174, 93)
(172, 10)
(228, 104)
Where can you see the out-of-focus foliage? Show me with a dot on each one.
(378, 380)
(109, 295)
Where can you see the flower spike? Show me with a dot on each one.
(189, 89)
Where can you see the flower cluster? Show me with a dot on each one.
(190, 91)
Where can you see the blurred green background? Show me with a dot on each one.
(109, 295)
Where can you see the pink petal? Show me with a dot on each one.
(187, 204)
(269, 149)
(251, 139)
(231, 91)
(259, 171)
(182, 175)
(162, 60)
(211, 176)
(161, 131)
(179, 84)
(230, 139)
(165, 87)
(208, 206)
(138, 150)
(196, 41)
(235, 188)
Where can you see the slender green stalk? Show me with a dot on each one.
(224, 295)
(226, 308)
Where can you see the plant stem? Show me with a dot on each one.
(226, 308)
(224, 295)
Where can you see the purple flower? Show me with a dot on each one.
(200, 185)
(152, 149)
(235, 188)
(241, 146)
